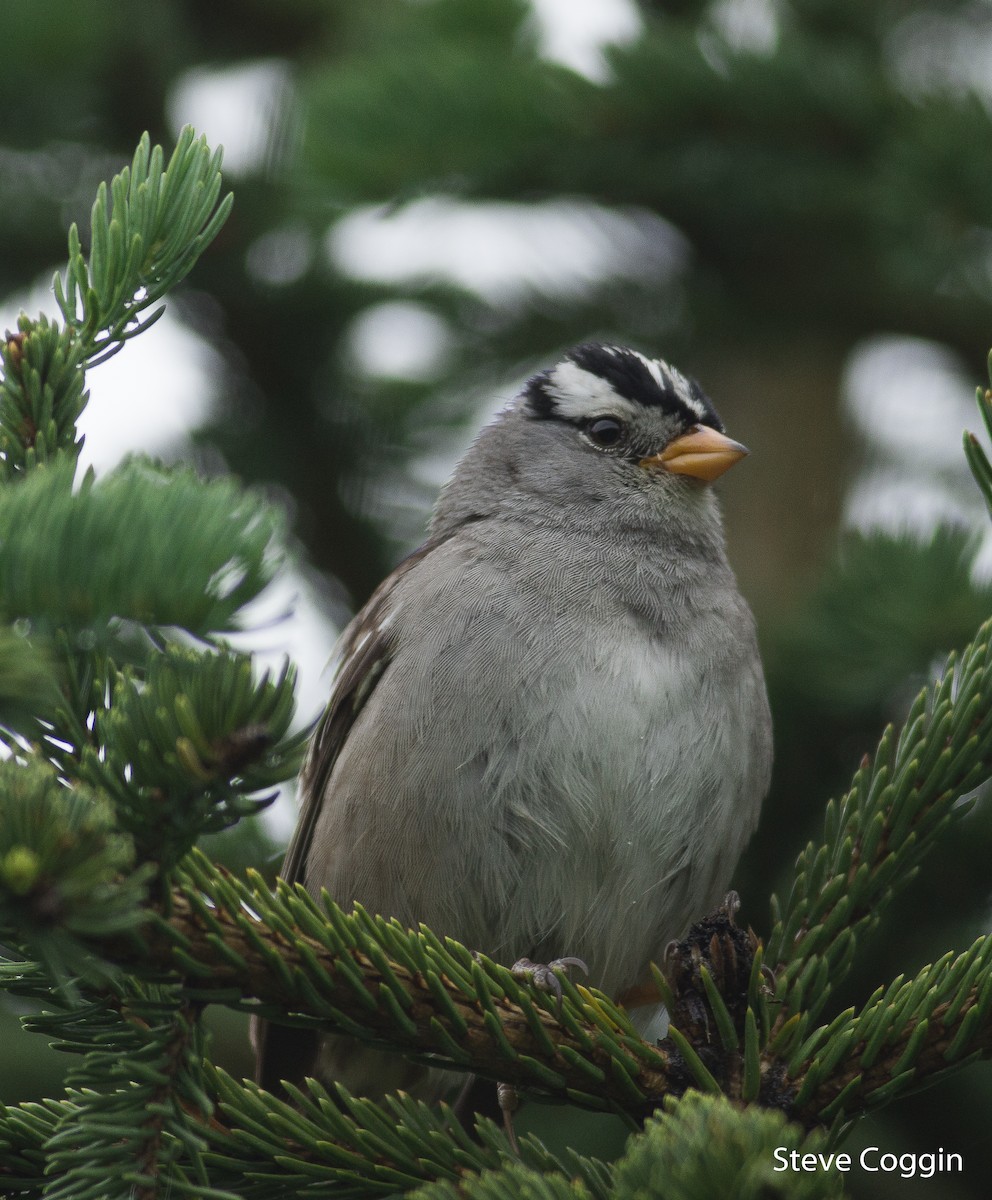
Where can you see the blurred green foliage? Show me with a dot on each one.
(827, 184)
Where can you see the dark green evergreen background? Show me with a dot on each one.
(822, 204)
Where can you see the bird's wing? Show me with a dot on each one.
(366, 650)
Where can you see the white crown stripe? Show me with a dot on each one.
(595, 378)
(578, 393)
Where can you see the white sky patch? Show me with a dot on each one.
(399, 340)
(281, 256)
(504, 251)
(236, 107)
(909, 401)
(932, 52)
(574, 32)
(150, 396)
(896, 501)
(750, 26)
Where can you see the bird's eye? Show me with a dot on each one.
(605, 432)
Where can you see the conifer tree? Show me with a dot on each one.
(132, 728)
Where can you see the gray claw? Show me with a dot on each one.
(564, 963)
(543, 976)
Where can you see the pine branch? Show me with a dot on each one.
(370, 978)
(42, 393)
(147, 231)
(137, 1085)
(24, 1132)
(131, 1121)
(180, 752)
(441, 1004)
(876, 836)
(267, 1149)
(703, 1146)
(183, 747)
(379, 982)
(191, 553)
(698, 1148)
(67, 873)
(907, 1035)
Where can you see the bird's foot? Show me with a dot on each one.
(543, 976)
(509, 1102)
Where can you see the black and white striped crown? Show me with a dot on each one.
(591, 377)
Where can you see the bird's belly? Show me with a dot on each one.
(613, 822)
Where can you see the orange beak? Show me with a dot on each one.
(703, 453)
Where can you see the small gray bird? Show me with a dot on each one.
(548, 732)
